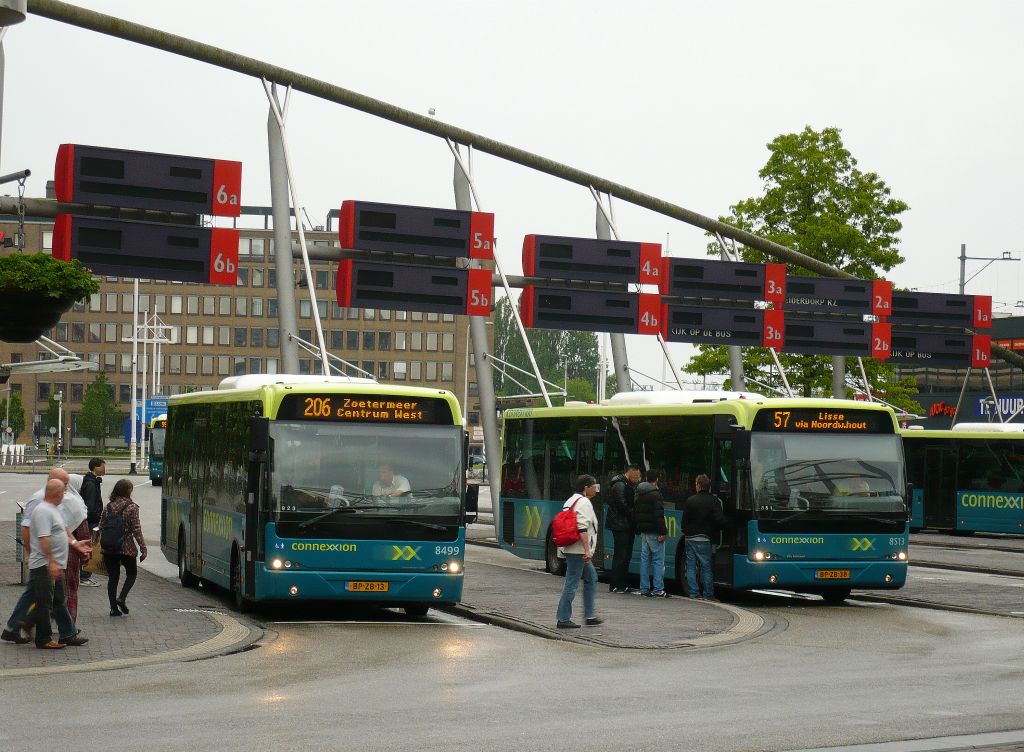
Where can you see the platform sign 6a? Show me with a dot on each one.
(723, 280)
(410, 287)
(421, 230)
(120, 248)
(147, 180)
(704, 325)
(591, 259)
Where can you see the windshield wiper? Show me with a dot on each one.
(336, 510)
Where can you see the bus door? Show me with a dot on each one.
(255, 502)
(728, 447)
(940, 486)
(590, 461)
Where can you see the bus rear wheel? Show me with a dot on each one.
(681, 587)
(835, 596)
(188, 579)
(416, 609)
(552, 564)
(242, 604)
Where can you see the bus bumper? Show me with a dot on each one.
(808, 575)
(402, 587)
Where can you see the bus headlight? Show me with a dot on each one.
(453, 567)
(758, 555)
(898, 556)
(764, 556)
(276, 564)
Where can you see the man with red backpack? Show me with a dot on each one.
(578, 554)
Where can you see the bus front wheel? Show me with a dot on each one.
(835, 596)
(240, 601)
(188, 579)
(552, 563)
(681, 587)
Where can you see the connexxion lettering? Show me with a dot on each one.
(991, 501)
(803, 540)
(343, 547)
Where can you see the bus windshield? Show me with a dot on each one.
(156, 442)
(826, 476)
(365, 481)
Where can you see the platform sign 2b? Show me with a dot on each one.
(145, 180)
(816, 336)
(396, 228)
(120, 248)
(591, 259)
(411, 287)
(703, 325)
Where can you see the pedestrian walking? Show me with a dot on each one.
(650, 522)
(120, 530)
(75, 516)
(50, 544)
(579, 557)
(702, 518)
(620, 521)
(92, 494)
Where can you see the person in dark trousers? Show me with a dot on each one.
(619, 520)
(649, 508)
(702, 518)
(92, 495)
(121, 516)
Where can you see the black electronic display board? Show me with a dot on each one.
(409, 287)
(941, 309)
(146, 180)
(120, 248)
(811, 336)
(396, 228)
(703, 325)
(941, 350)
(726, 280)
(583, 310)
(854, 297)
(822, 420)
(591, 259)
(365, 408)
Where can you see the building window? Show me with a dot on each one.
(77, 391)
(257, 278)
(95, 300)
(240, 336)
(369, 340)
(77, 331)
(223, 365)
(400, 315)
(337, 339)
(207, 335)
(448, 342)
(256, 307)
(447, 372)
(369, 366)
(224, 306)
(273, 338)
(207, 365)
(401, 370)
(271, 365)
(47, 240)
(224, 335)
(431, 374)
(382, 369)
(255, 365)
(415, 316)
(351, 340)
(321, 280)
(143, 304)
(191, 335)
(474, 417)
(272, 278)
(175, 304)
(124, 393)
(241, 306)
(243, 276)
(384, 340)
(431, 341)
(94, 333)
(305, 309)
(432, 317)
(415, 373)
(258, 245)
(210, 305)
(304, 366)
(173, 365)
(243, 246)
(190, 365)
(160, 303)
(306, 334)
(448, 318)
(61, 332)
(272, 307)
(126, 362)
(416, 341)
(369, 314)
(256, 337)
(239, 367)
(110, 302)
(78, 307)
(353, 314)
(321, 308)
(385, 315)
(110, 332)
(192, 305)
(399, 340)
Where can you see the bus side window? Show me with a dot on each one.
(725, 471)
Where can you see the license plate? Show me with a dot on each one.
(833, 574)
(367, 587)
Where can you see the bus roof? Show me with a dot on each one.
(1008, 431)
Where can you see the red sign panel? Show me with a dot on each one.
(983, 311)
(881, 298)
(774, 335)
(981, 351)
(649, 321)
(881, 341)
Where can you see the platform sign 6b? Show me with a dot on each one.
(396, 228)
(591, 259)
(703, 325)
(410, 287)
(120, 248)
(146, 180)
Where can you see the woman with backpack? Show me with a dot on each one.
(120, 530)
(578, 554)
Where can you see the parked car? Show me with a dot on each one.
(477, 459)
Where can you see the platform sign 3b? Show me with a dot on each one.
(704, 325)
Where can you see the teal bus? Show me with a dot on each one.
(969, 479)
(813, 490)
(285, 488)
(157, 436)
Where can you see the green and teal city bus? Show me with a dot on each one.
(969, 479)
(157, 436)
(283, 488)
(813, 490)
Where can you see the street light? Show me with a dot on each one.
(1006, 256)
(59, 396)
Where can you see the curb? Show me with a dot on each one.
(992, 739)
(930, 605)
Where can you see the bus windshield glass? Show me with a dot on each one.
(156, 445)
(345, 480)
(825, 476)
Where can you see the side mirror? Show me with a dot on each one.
(472, 502)
(259, 439)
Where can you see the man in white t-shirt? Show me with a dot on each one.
(388, 483)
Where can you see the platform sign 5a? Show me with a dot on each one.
(147, 180)
(591, 259)
(703, 325)
(150, 250)
(409, 287)
(723, 280)
(397, 228)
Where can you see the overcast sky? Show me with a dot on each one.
(676, 99)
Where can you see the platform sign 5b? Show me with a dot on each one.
(409, 287)
(146, 180)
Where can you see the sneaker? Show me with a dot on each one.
(634, 591)
(645, 593)
(660, 594)
(114, 611)
(593, 621)
(90, 583)
(16, 637)
(75, 641)
(51, 645)
(618, 590)
(567, 625)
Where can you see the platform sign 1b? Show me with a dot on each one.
(940, 350)
(146, 180)
(941, 309)
(704, 325)
(396, 228)
(724, 280)
(591, 259)
(120, 248)
(411, 287)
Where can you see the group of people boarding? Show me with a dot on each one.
(636, 510)
(62, 525)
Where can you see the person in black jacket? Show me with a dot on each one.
(649, 511)
(619, 519)
(92, 494)
(702, 518)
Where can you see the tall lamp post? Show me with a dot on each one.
(964, 258)
(60, 415)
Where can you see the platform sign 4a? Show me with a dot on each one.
(591, 259)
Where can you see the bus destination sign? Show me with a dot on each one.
(815, 420)
(364, 408)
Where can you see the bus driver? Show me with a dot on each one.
(388, 483)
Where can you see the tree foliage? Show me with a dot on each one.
(818, 202)
(13, 411)
(560, 354)
(581, 390)
(100, 415)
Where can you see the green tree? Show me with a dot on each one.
(50, 416)
(99, 415)
(581, 390)
(13, 411)
(818, 202)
